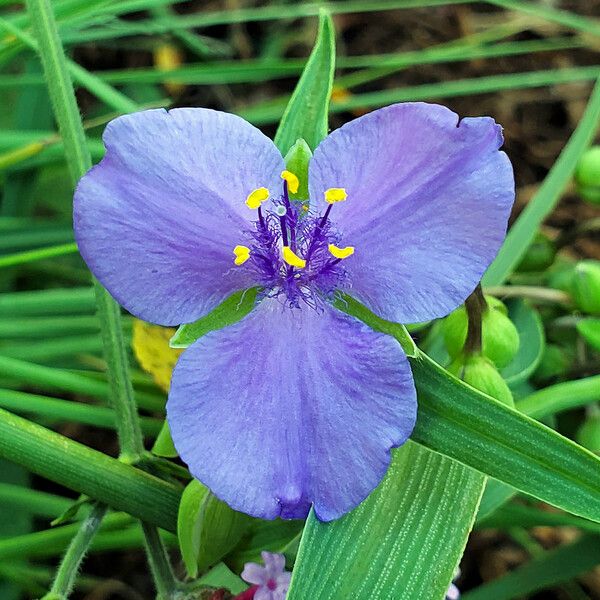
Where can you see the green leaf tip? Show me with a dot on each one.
(306, 115)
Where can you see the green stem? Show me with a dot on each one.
(532, 292)
(164, 579)
(66, 381)
(39, 254)
(33, 502)
(88, 471)
(68, 410)
(66, 574)
(48, 302)
(115, 353)
(561, 396)
(475, 306)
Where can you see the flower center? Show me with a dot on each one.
(292, 251)
(271, 585)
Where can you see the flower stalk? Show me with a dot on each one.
(475, 305)
(66, 574)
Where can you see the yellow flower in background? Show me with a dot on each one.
(152, 350)
(168, 57)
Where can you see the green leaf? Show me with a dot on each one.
(403, 542)
(520, 515)
(306, 115)
(462, 423)
(522, 233)
(532, 340)
(495, 495)
(550, 569)
(230, 311)
(221, 576)
(274, 536)
(207, 528)
(589, 329)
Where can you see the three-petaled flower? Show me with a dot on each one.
(298, 404)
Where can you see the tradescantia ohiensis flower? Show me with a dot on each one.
(297, 404)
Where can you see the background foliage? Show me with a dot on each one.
(78, 476)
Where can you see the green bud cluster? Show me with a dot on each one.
(585, 286)
(500, 338)
(587, 175)
(479, 372)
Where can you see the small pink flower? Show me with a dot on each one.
(272, 579)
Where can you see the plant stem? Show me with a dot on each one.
(164, 579)
(88, 471)
(128, 424)
(475, 306)
(529, 291)
(66, 574)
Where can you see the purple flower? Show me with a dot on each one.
(272, 580)
(297, 404)
(453, 592)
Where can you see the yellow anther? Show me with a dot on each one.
(292, 181)
(341, 252)
(242, 254)
(333, 195)
(291, 258)
(257, 197)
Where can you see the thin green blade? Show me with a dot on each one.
(306, 115)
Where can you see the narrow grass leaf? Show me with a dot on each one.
(306, 115)
(523, 231)
(549, 569)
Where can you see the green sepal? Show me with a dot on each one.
(296, 161)
(229, 312)
(207, 528)
(480, 373)
(163, 445)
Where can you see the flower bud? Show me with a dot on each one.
(587, 175)
(589, 433)
(555, 362)
(561, 274)
(479, 372)
(539, 256)
(500, 338)
(585, 286)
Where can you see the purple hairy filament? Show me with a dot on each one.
(309, 274)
